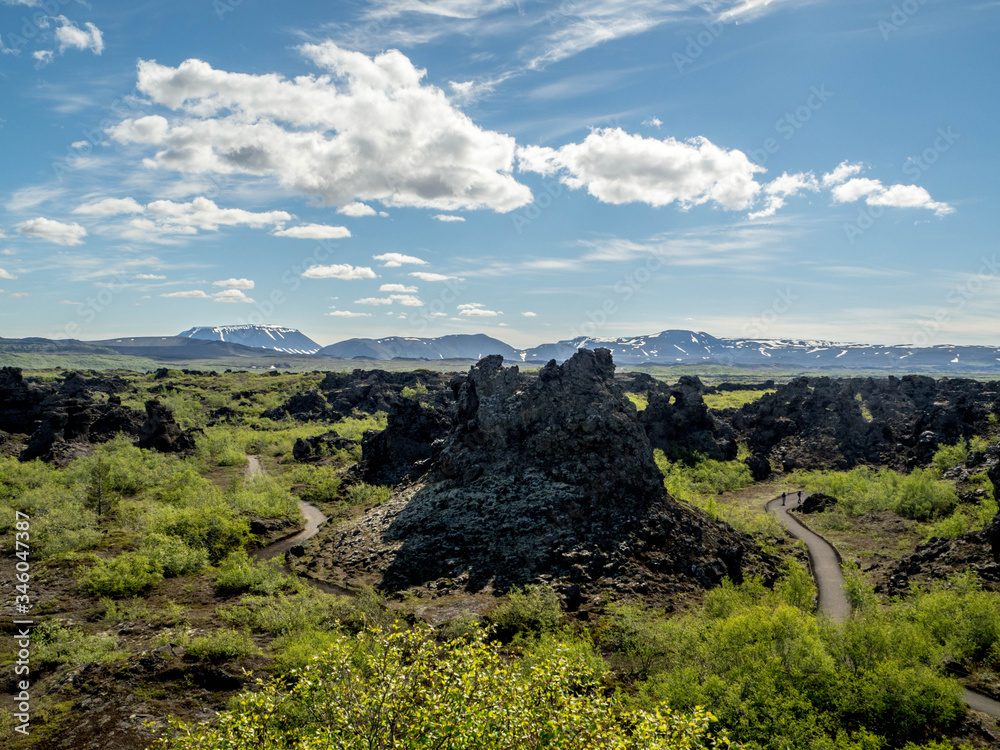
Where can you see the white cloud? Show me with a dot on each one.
(313, 232)
(373, 301)
(356, 210)
(617, 167)
(339, 272)
(530, 314)
(235, 283)
(193, 294)
(448, 217)
(231, 296)
(786, 186)
(370, 130)
(654, 122)
(110, 207)
(149, 277)
(425, 276)
(844, 171)
(349, 314)
(44, 57)
(70, 36)
(406, 300)
(397, 288)
(53, 231)
(395, 260)
(20, 295)
(895, 196)
(5, 274)
(477, 310)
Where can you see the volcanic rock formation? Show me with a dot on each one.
(541, 478)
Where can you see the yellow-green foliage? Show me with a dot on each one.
(367, 494)
(950, 456)
(55, 643)
(416, 392)
(286, 614)
(127, 575)
(640, 401)
(238, 574)
(919, 495)
(403, 689)
(705, 477)
(779, 677)
(222, 645)
(531, 610)
(733, 399)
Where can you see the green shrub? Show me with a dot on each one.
(367, 494)
(262, 497)
(285, 614)
(174, 556)
(231, 457)
(404, 689)
(321, 485)
(55, 643)
(221, 646)
(211, 525)
(529, 611)
(238, 574)
(919, 495)
(295, 651)
(127, 575)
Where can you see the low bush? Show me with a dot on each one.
(129, 574)
(919, 495)
(367, 494)
(174, 556)
(221, 646)
(239, 574)
(529, 611)
(56, 643)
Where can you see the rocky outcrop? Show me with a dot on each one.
(320, 446)
(817, 502)
(678, 422)
(161, 433)
(308, 406)
(544, 478)
(842, 423)
(401, 450)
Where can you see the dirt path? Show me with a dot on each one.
(825, 563)
(314, 519)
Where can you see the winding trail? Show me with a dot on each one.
(314, 519)
(825, 563)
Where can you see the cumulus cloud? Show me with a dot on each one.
(783, 187)
(110, 207)
(373, 301)
(54, 231)
(477, 310)
(395, 260)
(344, 271)
(844, 171)
(448, 217)
(314, 232)
(349, 314)
(397, 288)
(71, 36)
(370, 129)
(5, 274)
(356, 210)
(231, 295)
(617, 167)
(426, 276)
(895, 196)
(530, 314)
(406, 300)
(149, 277)
(235, 283)
(192, 294)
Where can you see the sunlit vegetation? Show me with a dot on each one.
(734, 399)
(640, 400)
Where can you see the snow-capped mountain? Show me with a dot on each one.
(457, 346)
(278, 338)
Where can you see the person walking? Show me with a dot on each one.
(800, 497)
(782, 498)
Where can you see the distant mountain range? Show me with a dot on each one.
(671, 347)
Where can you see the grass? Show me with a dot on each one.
(640, 401)
(734, 399)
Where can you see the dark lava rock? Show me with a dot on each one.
(304, 407)
(760, 467)
(816, 503)
(160, 432)
(545, 478)
(678, 422)
(401, 450)
(320, 446)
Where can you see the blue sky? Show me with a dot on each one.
(532, 170)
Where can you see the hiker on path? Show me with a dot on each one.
(782, 498)
(800, 497)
